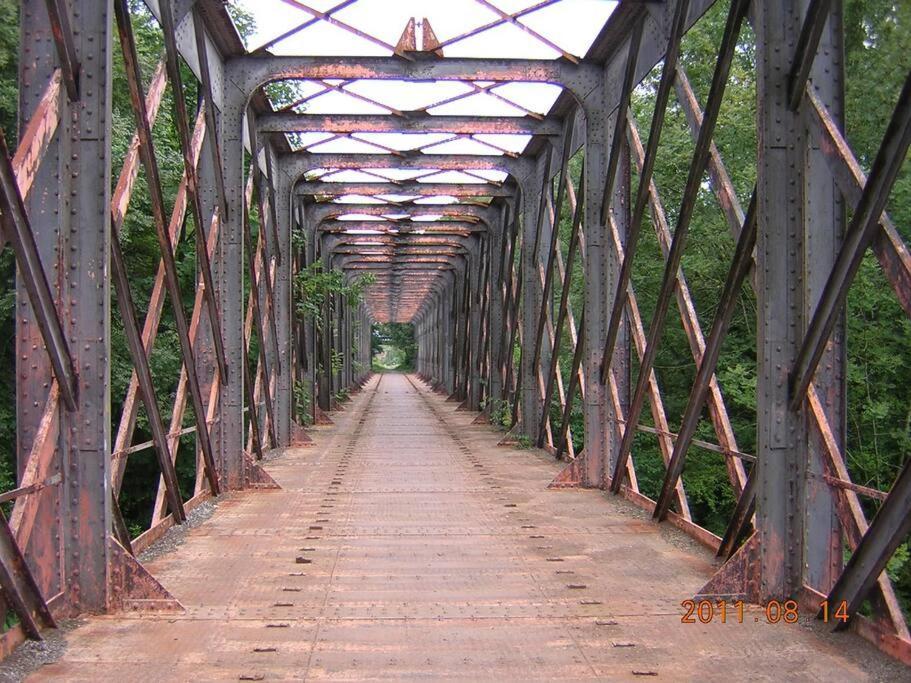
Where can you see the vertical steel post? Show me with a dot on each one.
(498, 242)
(781, 292)
(601, 444)
(229, 267)
(283, 305)
(324, 373)
(204, 346)
(86, 231)
(473, 371)
(824, 227)
(533, 210)
(311, 343)
(621, 214)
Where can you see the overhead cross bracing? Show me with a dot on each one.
(493, 172)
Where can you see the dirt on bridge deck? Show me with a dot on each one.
(406, 544)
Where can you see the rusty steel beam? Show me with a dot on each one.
(468, 212)
(338, 161)
(144, 374)
(888, 530)
(59, 17)
(689, 318)
(560, 443)
(616, 145)
(182, 119)
(259, 257)
(807, 44)
(403, 226)
(401, 238)
(37, 136)
(543, 316)
(205, 83)
(330, 189)
(409, 122)
(251, 401)
(252, 71)
(20, 590)
(155, 307)
(890, 249)
(552, 372)
(263, 189)
(294, 30)
(849, 509)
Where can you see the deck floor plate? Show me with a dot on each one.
(427, 561)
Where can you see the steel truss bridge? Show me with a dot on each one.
(476, 273)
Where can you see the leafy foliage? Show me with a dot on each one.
(397, 340)
(316, 288)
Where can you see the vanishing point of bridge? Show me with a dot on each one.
(403, 535)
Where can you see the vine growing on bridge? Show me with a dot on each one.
(316, 288)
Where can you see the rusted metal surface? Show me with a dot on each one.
(478, 280)
(405, 544)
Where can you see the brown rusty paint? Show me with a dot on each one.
(428, 189)
(254, 299)
(409, 122)
(403, 239)
(37, 467)
(37, 136)
(150, 164)
(20, 589)
(399, 249)
(133, 589)
(381, 68)
(180, 397)
(430, 162)
(59, 20)
(129, 171)
(718, 173)
(465, 212)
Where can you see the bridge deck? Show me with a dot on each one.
(433, 553)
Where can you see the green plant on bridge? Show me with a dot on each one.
(338, 362)
(302, 404)
(315, 289)
(499, 412)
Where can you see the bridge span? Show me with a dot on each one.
(649, 265)
(406, 544)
